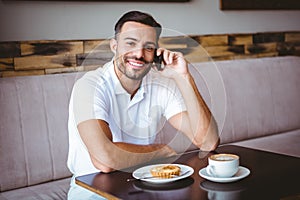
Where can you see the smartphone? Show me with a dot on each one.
(158, 60)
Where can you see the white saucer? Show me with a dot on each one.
(242, 173)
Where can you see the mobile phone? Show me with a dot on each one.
(158, 60)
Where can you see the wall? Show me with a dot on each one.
(59, 20)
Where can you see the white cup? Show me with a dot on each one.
(223, 165)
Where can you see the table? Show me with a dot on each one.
(273, 176)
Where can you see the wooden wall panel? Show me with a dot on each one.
(48, 57)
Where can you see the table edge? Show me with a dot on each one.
(99, 192)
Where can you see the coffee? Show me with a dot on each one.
(224, 157)
(223, 165)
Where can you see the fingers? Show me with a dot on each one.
(169, 56)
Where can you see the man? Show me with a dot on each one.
(115, 111)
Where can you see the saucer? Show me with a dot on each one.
(242, 173)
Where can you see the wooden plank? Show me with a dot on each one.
(45, 62)
(240, 39)
(292, 37)
(64, 70)
(51, 48)
(268, 37)
(213, 40)
(90, 67)
(261, 48)
(219, 51)
(288, 48)
(97, 58)
(22, 73)
(9, 49)
(6, 64)
(176, 42)
(268, 54)
(220, 58)
(197, 54)
(96, 46)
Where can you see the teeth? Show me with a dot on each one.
(136, 64)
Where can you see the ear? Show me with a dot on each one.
(113, 45)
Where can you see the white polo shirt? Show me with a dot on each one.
(99, 95)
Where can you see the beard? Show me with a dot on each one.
(130, 72)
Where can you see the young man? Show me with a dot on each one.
(115, 111)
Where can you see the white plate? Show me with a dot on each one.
(145, 172)
(242, 173)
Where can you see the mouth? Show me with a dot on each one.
(135, 64)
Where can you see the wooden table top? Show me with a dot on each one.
(273, 176)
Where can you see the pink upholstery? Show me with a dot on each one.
(33, 126)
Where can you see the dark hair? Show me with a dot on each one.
(140, 17)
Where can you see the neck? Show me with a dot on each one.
(130, 85)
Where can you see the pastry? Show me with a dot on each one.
(165, 171)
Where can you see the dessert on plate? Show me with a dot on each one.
(165, 171)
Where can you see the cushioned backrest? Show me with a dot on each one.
(262, 96)
(33, 129)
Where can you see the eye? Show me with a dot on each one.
(131, 44)
(149, 48)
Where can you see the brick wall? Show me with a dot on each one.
(21, 58)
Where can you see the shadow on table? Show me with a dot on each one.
(164, 186)
(228, 191)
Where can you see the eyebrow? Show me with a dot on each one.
(134, 39)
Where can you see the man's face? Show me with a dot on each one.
(135, 47)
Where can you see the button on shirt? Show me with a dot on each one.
(99, 95)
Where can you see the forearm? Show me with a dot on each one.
(203, 128)
(107, 155)
(123, 155)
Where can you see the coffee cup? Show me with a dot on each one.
(223, 165)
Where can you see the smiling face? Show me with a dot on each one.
(134, 50)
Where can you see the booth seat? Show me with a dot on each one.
(254, 101)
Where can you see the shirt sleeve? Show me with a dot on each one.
(86, 97)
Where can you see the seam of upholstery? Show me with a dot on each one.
(48, 132)
(22, 133)
(275, 120)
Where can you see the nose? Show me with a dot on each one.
(138, 53)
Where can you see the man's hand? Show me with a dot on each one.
(174, 62)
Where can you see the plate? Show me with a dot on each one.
(242, 173)
(145, 172)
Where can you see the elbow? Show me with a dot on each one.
(105, 169)
(211, 145)
(100, 166)
(210, 141)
